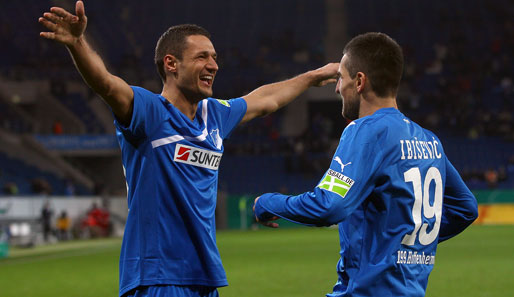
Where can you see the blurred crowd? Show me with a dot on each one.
(458, 79)
(93, 223)
(458, 76)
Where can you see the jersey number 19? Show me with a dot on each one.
(422, 201)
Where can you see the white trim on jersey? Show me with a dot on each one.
(204, 113)
(175, 138)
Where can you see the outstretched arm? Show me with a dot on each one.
(269, 98)
(68, 29)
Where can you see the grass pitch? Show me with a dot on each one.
(289, 262)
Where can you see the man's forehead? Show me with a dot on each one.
(342, 67)
(199, 43)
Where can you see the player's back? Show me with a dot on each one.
(388, 243)
(385, 188)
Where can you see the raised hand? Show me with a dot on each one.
(328, 74)
(64, 26)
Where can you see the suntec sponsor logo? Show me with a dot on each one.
(182, 153)
(197, 157)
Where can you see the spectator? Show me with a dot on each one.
(63, 226)
(502, 174)
(70, 188)
(10, 188)
(57, 127)
(491, 178)
(46, 220)
(97, 222)
(41, 187)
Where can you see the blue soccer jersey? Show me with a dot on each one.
(394, 194)
(171, 167)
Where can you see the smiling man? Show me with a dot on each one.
(171, 146)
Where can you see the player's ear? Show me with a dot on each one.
(360, 82)
(170, 63)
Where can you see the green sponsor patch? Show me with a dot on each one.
(336, 182)
(224, 102)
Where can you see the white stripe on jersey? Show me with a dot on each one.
(175, 138)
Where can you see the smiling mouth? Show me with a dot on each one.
(207, 79)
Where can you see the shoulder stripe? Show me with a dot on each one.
(175, 138)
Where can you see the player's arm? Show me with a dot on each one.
(339, 192)
(269, 98)
(460, 207)
(316, 208)
(68, 29)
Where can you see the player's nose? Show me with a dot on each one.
(212, 65)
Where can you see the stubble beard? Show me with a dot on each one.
(197, 93)
(351, 109)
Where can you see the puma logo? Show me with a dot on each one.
(338, 160)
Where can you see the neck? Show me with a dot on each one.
(180, 101)
(371, 103)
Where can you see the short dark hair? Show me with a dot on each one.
(173, 42)
(379, 57)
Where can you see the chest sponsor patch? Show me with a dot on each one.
(197, 157)
(336, 182)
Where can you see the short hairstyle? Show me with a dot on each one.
(379, 57)
(173, 42)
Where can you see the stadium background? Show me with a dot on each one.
(56, 136)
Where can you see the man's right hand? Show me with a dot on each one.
(64, 26)
(69, 29)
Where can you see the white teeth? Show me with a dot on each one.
(206, 77)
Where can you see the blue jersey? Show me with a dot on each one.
(394, 194)
(171, 167)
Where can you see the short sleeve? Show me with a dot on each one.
(147, 114)
(229, 113)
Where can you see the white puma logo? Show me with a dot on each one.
(338, 160)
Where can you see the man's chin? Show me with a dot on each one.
(351, 116)
(207, 94)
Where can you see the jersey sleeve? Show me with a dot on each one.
(230, 113)
(460, 207)
(146, 115)
(345, 185)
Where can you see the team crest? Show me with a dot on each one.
(216, 139)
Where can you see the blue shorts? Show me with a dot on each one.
(172, 291)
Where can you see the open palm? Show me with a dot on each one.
(64, 26)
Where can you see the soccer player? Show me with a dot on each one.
(390, 186)
(171, 146)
